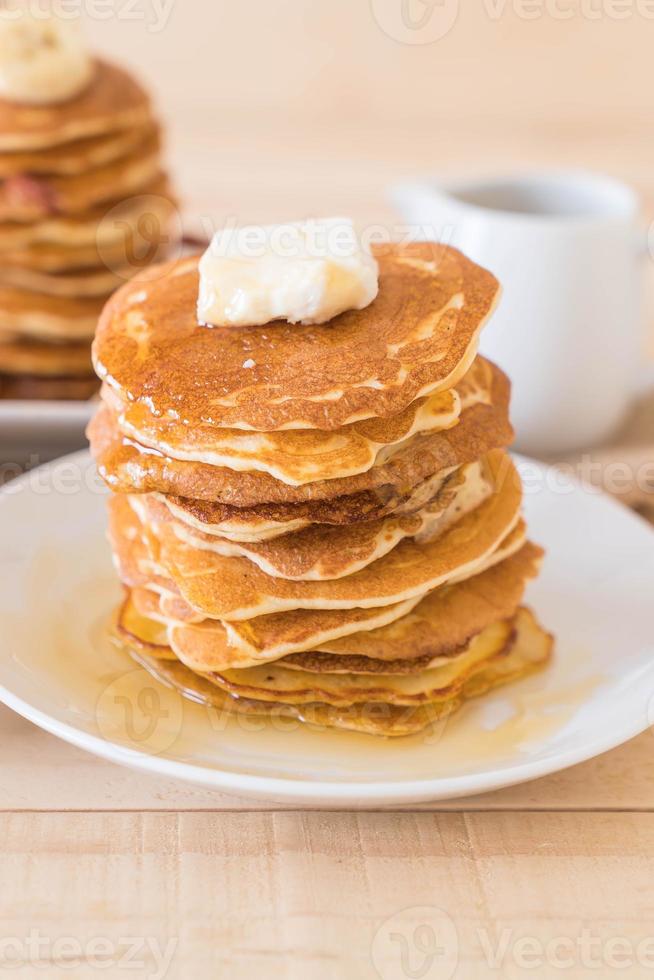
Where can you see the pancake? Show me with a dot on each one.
(205, 644)
(48, 317)
(112, 101)
(320, 552)
(295, 456)
(80, 283)
(87, 228)
(71, 159)
(446, 620)
(34, 387)
(46, 360)
(141, 632)
(52, 258)
(484, 426)
(300, 456)
(27, 198)
(268, 521)
(530, 650)
(274, 682)
(418, 337)
(141, 623)
(236, 589)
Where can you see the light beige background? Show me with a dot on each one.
(280, 108)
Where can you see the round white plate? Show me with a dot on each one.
(57, 589)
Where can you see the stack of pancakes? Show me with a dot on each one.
(83, 205)
(318, 522)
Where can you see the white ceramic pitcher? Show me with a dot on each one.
(568, 251)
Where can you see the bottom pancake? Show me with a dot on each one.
(528, 649)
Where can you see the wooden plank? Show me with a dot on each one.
(325, 895)
(41, 772)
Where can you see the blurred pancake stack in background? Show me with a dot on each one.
(318, 521)
(84, 202)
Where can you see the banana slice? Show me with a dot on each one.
(43, 59)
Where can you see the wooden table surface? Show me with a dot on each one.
(110, 871)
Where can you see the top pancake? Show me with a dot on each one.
(418, 337)
(112, 100)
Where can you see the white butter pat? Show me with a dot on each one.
(305, 272)
(43, 58)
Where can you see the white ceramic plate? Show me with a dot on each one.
(57, 588)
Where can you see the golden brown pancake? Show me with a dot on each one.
(320, 552)
(293, 456)
(88, 228)
(445, 620)
(267, 521)
(52, 258)
(46, 360)
(214, 645)
(141, 623)
(300, 456)
(275, 682)
(99, 281)
(236, 589)
(78, 157)
(531, 649)
(436, 627)
(126, 467)
(41, 317)
(113, 100)
(21, 387)
(416, 338)
(27, 198)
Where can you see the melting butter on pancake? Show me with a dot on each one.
(112, 101)
(530, 651)
(125, 466)
(236, 589)
(28, 198)
(418, 337)
(78, 157)
(320, 552)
